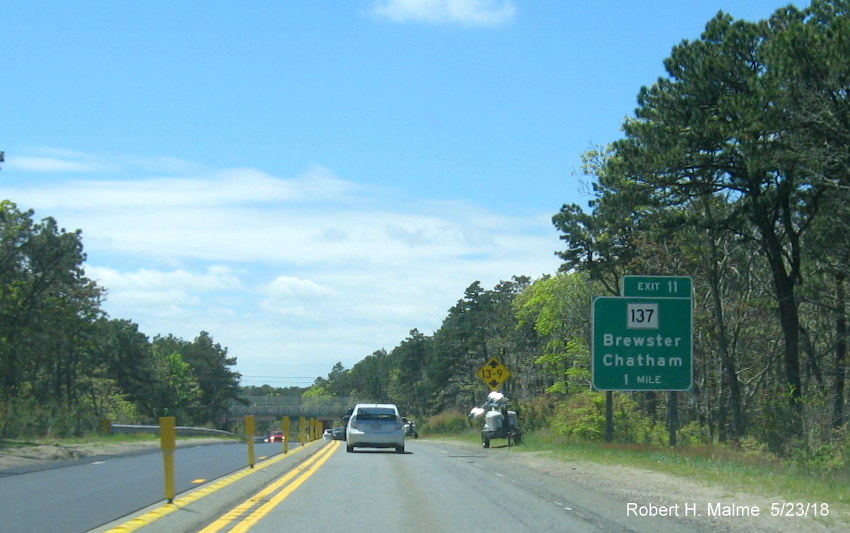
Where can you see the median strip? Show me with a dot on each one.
(192, 497)
(303, 471)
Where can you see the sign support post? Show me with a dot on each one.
(672, 416)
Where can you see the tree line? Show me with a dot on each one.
(735, 170)
(65, 365)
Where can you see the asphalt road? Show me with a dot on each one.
(85, 494)
(438, 487)
(433, 487)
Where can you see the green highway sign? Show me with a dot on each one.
(658, 286)
(642, 343)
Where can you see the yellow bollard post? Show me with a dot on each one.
(250, 429)
(302, 423)
(168, 444)
(285, 425)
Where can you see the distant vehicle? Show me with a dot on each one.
(328, 434)
(410, 429)
(339, 433)
(499, 422)
(501, 425)
(275, 436)
(375, 425)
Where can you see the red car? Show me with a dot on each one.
(275, 436)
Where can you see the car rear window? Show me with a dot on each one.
(376, 414)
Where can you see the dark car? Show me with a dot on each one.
(338, 433)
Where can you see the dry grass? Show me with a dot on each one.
(746, 469)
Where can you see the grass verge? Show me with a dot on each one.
(744, 471)
(116, 438)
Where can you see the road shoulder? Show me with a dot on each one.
(45, 456)
(645, 493)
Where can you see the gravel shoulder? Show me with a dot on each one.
(27, 458)
(687, 500)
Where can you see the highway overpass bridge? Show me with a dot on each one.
(328, 410)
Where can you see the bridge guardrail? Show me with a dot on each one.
(324, 407)
(181, 430)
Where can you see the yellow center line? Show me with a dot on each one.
(187, 499)
(305, 470)
(252, 519)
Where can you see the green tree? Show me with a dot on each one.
(558, 307)
(176, 391)
(47, 308)
(481, 325)
(337, 380)
(810, 59)
(41, 282)
(740, 152)
(713, 127)
(407, 385)
(368, 378)
(125, 355)
(602, 242)
(210, 366)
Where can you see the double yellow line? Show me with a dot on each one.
(254, 507)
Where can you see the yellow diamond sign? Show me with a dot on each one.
(494, 373)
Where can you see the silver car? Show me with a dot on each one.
(375, 425)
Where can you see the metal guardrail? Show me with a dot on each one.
(181, 430)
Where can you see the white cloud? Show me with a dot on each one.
(464, 12)
(48, 164)
(291, 286)
(50, 160)
(290, 273)
(294, 296)
(150, 296)
(217, 277)
(202, 188)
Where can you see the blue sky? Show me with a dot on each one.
(308, 181)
